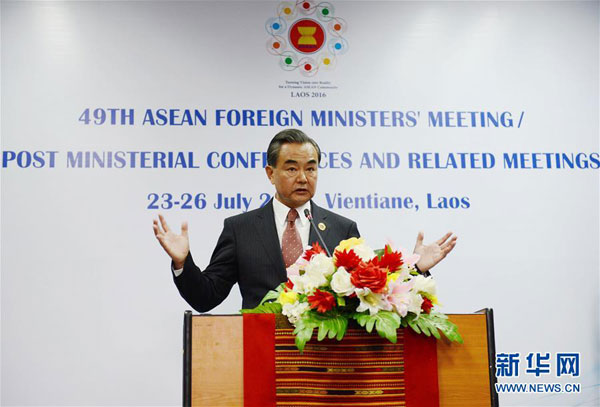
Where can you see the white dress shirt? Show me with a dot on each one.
(302, 224)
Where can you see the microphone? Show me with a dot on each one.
(310, 219)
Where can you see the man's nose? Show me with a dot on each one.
(301, 176)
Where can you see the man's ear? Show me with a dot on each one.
(269, 171)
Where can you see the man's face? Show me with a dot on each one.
(295, 175)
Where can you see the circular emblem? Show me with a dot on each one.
(322, 226)
(307, 36)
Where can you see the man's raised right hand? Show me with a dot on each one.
(176, 246)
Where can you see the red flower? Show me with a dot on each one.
(289, 286)
(427, 305)
(369, 276)
(390, 260)
(323, 301)
(314, 249)
(346, 259)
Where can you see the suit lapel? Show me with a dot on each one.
(320, 218)
(267, 233)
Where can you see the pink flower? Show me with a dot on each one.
(399, 295)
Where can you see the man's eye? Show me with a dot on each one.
(291, 169)
(311, 169)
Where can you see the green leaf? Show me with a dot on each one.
(333, 328)
(435, 322)
(330, 325)
(448, 328)
(361, 318)
(311, 317)
(379, 252)
(423, 326)
(386, 323)
(333, 332)
(266, 308)
(303, 332)
(435, 332)
(414, 326)
(343, 327)
(272, 294)
(323, 330)
(339, 325)
(370, 324)
(341, 301)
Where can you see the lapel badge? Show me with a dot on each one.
(322, 226)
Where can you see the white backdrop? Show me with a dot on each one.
(90, 315)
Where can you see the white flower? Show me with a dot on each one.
(320, 263)
(308, 281)
(364, 252)
(341, 283)
(293, 270)
(294, 311)
(404, 273)
(414, 305)
(424, 285)
(371, 301)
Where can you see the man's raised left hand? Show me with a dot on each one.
(435, 252)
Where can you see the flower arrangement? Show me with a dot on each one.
(379, 289)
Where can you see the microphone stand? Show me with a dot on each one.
(310, 219)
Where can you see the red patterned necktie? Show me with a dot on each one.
(291, 244)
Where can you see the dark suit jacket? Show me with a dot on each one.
(249, 253)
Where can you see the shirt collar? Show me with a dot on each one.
(281, 212)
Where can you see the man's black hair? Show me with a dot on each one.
(288, 136)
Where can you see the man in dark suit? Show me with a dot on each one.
(255, 248)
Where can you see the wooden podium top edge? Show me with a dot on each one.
(479, 312)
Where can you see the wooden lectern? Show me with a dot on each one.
(213, 361)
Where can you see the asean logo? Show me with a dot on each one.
(307, 36)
